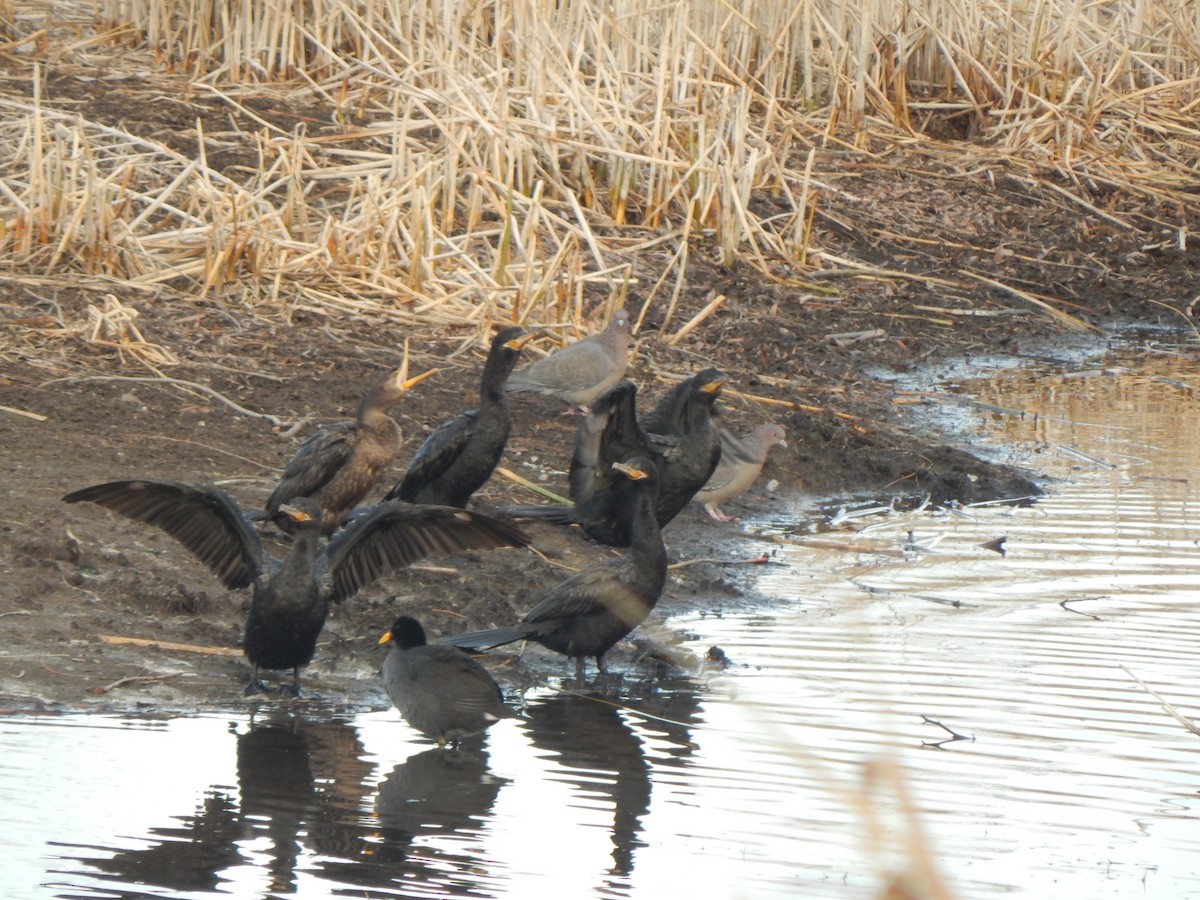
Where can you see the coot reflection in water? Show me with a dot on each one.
(436, 793)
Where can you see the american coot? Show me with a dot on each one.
(593, 609)
(441, 691)
(291, 598)
(742, 459)
(338, 464)
(460, 455)
(580, 372)
(679, 436)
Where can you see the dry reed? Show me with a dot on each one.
(494, 160)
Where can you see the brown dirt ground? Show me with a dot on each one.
(75, 574)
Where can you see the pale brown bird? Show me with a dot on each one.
(580, 372)
(742, 460)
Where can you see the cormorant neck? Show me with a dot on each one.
(646, 535)
(491, 385)
(303, 553)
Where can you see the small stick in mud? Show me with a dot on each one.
(133, 679)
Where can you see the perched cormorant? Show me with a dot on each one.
(580, 372)
(441, 691)
(338, 465)
(679, 436)
(742, 459)
(459, 456)
(596, 607)
(291, 597)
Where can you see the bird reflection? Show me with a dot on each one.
(296, 779)
(189, 857)
(589, 735)
(433, 793)
(303, 799)
(668, 708)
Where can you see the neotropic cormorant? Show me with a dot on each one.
(440, 690)
(580, 372)
(596, 607)
(679, 436)
(460, 455)
(291, 597)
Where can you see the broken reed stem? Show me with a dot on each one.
(1170, 710)
(169, 645)
(536, 488)
(697, 320)
(177, 382)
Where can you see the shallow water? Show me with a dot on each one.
(811, 766)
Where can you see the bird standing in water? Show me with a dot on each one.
(291, 597)
(338, 465)
(460, 455)
(742, 459)
(580, 372)
(441, 691)
(596, 607)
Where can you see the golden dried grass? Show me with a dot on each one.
(505, 161)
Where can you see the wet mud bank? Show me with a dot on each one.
(96, 602)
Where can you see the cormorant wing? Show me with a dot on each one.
(435, 455)
(318, 459)
(609, 433)
(392, 535)
(595, 590)
(205, 519)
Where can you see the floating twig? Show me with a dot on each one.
(954, 735)
(1079, 454)
(1182, 720)
(1078, 612)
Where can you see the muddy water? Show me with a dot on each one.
(905, 702)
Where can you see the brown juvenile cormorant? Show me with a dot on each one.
(291, 597)
(679, 436)
(593, 609)
(441, 691)
(580, 372)
(742, 459)
(338, 465)
(460, 455)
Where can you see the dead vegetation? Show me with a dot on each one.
(447, 164)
